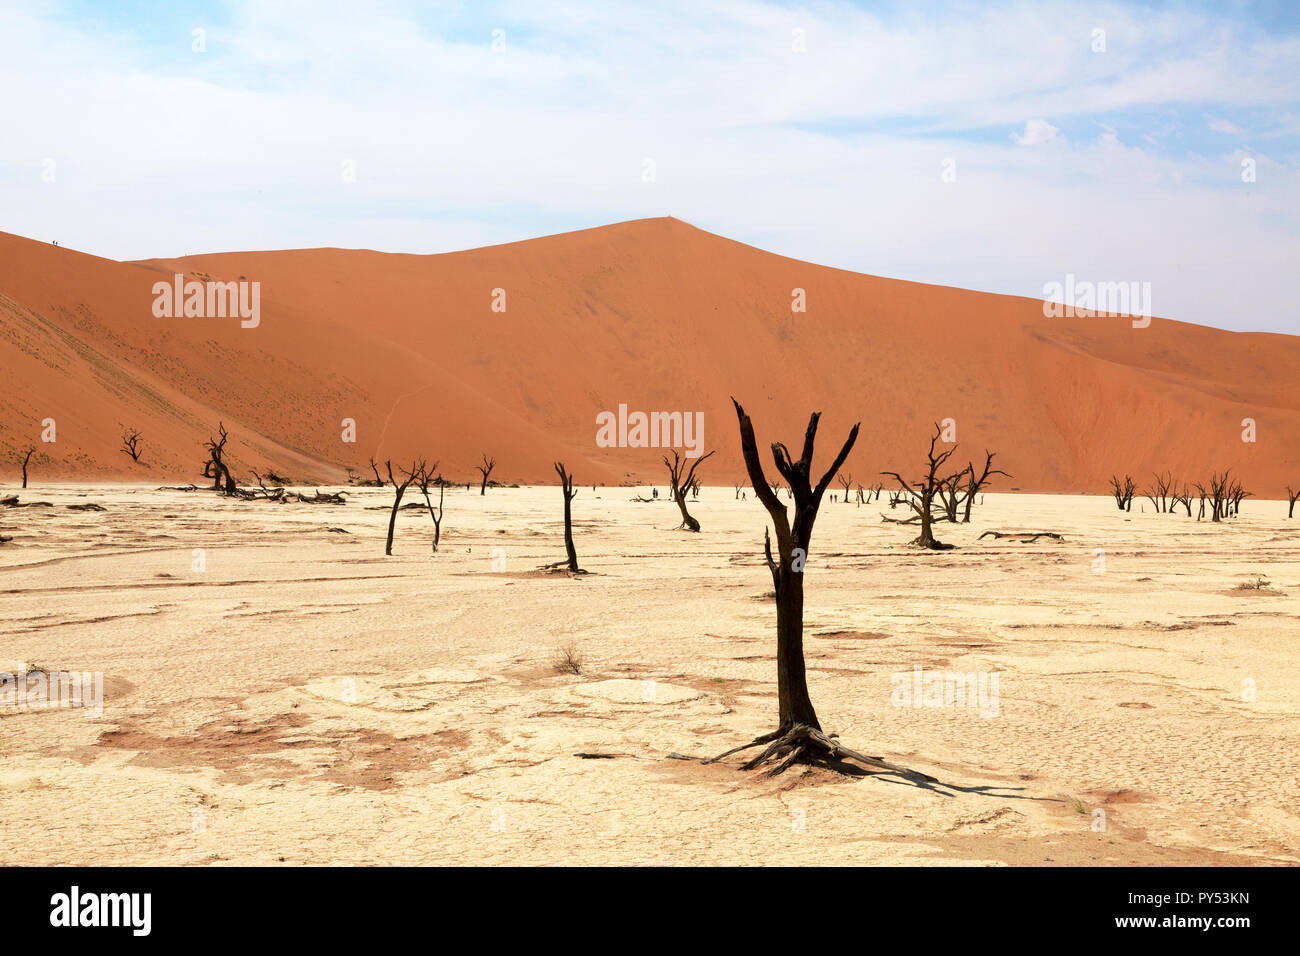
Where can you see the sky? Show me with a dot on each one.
(990, 146)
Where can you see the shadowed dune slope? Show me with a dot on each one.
(655, 314)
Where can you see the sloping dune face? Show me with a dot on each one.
(515, 351)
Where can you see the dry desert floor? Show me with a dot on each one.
(288, 694)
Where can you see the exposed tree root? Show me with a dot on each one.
(804, 744)
(1025, 537)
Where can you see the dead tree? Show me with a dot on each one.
(1158, 493)
(847, 483)
(798, 737)
(215, 467)
(1123, 492)
(31, 450)
(375, 468)
(1183, 498)
(680, 480)
(738, 487)
(1215, 495)
(975, 485)
(423, 479)
(485, 470)
(399, 489)
(566, 486)
(949, 491)
(1291, 498)
(131, 443)
(921, 496)
(1236, 494)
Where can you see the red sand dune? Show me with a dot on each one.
(655, 314)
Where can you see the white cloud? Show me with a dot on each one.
(1037, 132)
(1224, 126)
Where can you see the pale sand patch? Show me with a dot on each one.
(305, 698)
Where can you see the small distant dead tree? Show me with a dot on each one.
(215, 467)
(1158, 493)
(798, 736)
(375, 468)
(399, 489)
(1291, 498)
(975, 485)
(1215, 495)
(847, 482)
(566, 486)
(31, 450)
(485, 470)
(1236, 495)
(921, 496)
(131, 443)
(738, 487)
(679, 480)
(861, 499)
(423, 480)
(1183, 497)
(1123, 492)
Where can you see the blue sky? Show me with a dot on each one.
(988, 146)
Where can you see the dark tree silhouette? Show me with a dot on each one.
(131, 443)
(215, 467)
(423, 480)
(974, 485)
(847, 482)
(566, 486)
(1216, 495)
(798, 737)
(950, 493)
(1123, 492)
(1291, 498)
(680, 480)
(399, 489)
(485, 470)
(921, 495)
(31, 450)
(1158, 493)
(375, 468)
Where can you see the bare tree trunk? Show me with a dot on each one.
(566, 486)
(399, 489)
(679, 479)
(485, 470)
(28, 457)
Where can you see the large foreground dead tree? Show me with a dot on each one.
(485, 470)
(798, 737)
(680, 480)
(921, 495)
(566, 486)
(399, 489)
